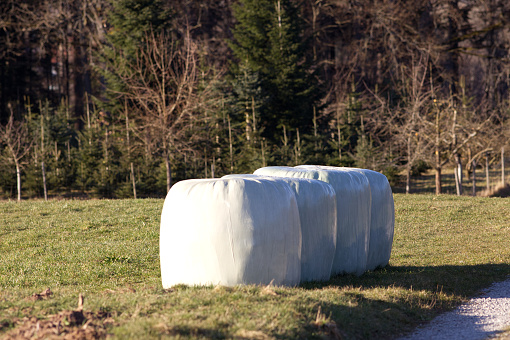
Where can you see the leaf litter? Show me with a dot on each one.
(67, 324)
(327, 326)
(41, 296)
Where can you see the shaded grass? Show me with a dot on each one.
(505, 335)
(445, 250)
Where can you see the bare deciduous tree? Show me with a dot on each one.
(171, 94)
(409, 129)
(14, 135)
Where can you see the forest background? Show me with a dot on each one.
(122, 98)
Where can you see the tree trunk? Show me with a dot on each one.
(458, 164)
(168, 170)
(263, 152)
(185, 166)
(57, 155)
(128, 143)
(231, 147)
(285, 140)
(87, 108)
(438, 156)
(408, 180)
(474, 177)
(106, 142)
(438, 180)
(18, 180)
(456, 180)
(133, 180)
(487, 170)
(461, 174)
(316, 147)
(205, 162)
(213, 166)
(339, 135)
(43, 169)
(248, 126)
(298, 143)
(503, 165)
(253, 116)
(408, 166)
(285, 143)
(458, 174)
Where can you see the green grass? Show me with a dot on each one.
(445, 250)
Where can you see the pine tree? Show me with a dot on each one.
(268, 40)
(131, 22)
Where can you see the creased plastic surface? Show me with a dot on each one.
(353, 212)
(316, 202)
(382, 222)
(229, 232)
(382, 217)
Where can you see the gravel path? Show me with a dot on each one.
(481, 318)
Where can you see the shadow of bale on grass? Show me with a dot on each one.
(409, 296)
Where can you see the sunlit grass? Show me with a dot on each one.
(445, 250)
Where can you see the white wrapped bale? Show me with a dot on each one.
(353, 212)
(382, 222)
(382, 218)
(316, 201)
(229, 232)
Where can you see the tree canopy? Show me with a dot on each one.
(122, 98)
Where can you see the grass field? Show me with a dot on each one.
(446, 248)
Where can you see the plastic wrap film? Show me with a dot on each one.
(229, 232)
(353, 212)
(382, 222)
(316, 202)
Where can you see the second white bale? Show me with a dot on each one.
(353, 212)
(316, 201)
(382, 215)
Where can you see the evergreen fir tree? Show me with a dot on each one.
(245, 102)
(268, 40)
(130, 23)
(130, 20)
(51, 131)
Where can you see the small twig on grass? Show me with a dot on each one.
(80, 303)
(268, 290)
(327, 326)
(47, 293)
